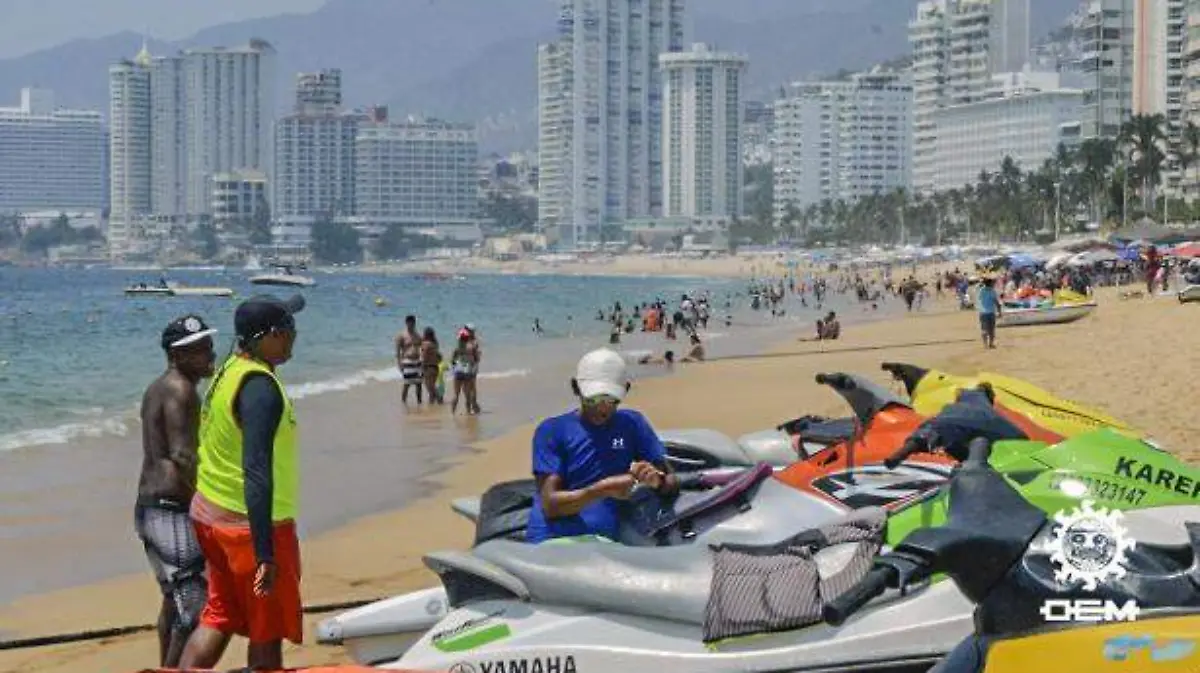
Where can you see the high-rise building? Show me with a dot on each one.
(129, 155)
(417, 174)
(842, 140)
(168, 144)
(319, 92)
(555, 127)
(230, 112)
(50, 158)
(1025, 119)
(702, 146)
(957, 46)
(314, 153)
(605, 66)
(1107, 66)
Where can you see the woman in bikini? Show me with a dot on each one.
(464, 364)
(430, 357)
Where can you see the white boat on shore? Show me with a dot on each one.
(1189, 294)
(173, 289)
(283, 276)
(1053, 315)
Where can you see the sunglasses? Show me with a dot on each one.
(601, 400)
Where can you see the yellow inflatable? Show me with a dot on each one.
(1167, 644)
(931, 390)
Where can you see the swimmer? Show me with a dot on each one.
(668, 359)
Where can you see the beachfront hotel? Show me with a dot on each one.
(130, 182)
(176, 122)
(957, 46)
(419, 174)
(842, 140)
(314, 157)
(1025, 117)
(50, 158)
(702, 140)
(600, 115)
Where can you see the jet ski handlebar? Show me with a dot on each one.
(917, 442)
(839, 382)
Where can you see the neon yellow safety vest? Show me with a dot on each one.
(219, 476)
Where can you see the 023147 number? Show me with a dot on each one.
(1102, 489)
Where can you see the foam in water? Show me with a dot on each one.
(119, 426)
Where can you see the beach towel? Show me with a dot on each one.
(763, 589)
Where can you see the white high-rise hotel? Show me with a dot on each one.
(600, 114)
(702, 149)
(50, 158)
(177, 123)
(842, 140)
(958, 46)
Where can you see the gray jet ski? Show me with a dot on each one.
(387, 627)
(602, 607)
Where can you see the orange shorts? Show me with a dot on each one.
(232, 607)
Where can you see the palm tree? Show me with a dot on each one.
(1145, 138)
(1187, 151)
(1094, 161)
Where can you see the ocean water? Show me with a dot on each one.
(76, 353)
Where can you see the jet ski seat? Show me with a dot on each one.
(672, 584)
(735, 493)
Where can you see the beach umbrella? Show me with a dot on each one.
(1187, 250)
(1021, 261)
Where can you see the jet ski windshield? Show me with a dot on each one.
(865, 397)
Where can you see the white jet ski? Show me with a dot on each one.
(583, 607)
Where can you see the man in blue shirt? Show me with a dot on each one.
(988, 304)
(587, 459)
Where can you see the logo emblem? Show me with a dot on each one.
(618, 442)
(462, 667)
(1089, 545)
(191, 325)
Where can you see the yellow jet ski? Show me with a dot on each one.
(931, 390)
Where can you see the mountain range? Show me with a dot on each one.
(475, 60)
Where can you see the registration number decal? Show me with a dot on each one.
(1103, 489)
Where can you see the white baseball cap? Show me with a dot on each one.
(602, 372)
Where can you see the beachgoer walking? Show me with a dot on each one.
(170, 428)
(585, 460)
(431, 356)
(464, 365)
(408, 359)
(988, 304)
(247, 491)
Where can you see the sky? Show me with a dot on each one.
(30, 25)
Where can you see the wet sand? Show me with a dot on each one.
(1133, 358)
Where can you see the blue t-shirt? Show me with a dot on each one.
(986, 302)
(583, 454)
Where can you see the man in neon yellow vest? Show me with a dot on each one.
(247, 487)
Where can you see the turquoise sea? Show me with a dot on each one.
(76, 353)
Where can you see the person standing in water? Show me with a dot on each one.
(431, 358)
(247, 495)
(464, 364)
(408, 359)
(170, 426)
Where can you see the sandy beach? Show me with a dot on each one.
(1132, 358)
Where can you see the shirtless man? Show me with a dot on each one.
(408, 359)
(170, 422)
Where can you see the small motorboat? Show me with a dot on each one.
(1189, 294)
(1048, 315)
(284, 275)
(175, 289)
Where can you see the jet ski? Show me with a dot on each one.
(756, 509)
(596, 606)
(797, 439)
(1019, 401)
(1017, 580)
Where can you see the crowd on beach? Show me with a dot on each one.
(218, 488)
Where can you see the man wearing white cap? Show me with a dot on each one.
(587, 459)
